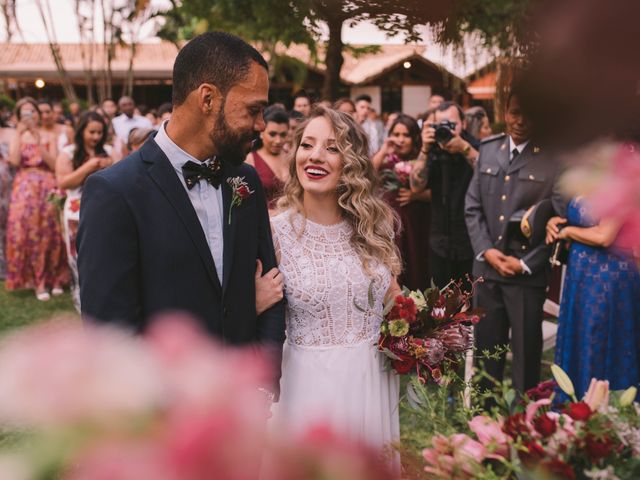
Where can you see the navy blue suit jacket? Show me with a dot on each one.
(142, 251)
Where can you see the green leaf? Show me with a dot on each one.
(509, 397)
(390, 354)
(388, 307)
(370, 294)
(412, 397)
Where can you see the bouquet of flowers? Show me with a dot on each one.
(395, 173)
(57, 197)
(428, 332)
(597, 437)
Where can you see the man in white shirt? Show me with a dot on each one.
(128, 120)
(363, 107)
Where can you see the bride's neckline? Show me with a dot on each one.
(320, 226)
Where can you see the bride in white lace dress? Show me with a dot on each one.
(334, 239)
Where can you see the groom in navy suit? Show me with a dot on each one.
(180, 224)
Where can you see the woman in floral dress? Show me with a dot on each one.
(76, 162)
(35, 252)
(6, 180)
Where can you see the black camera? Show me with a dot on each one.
(444, 131)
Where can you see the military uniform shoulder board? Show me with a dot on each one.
(499, 136)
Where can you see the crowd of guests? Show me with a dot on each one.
(461, 193)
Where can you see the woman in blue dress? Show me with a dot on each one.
(599, 321)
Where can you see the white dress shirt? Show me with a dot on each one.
(122, 125)
(206, 200)
(520, 147)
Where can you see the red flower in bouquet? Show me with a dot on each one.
(560, 468)
(534, 454)
(404, 365)
(456, 338)
(598, 447)
(579, 411)
(516, 426)
(542, 390)
(545, 425)
(404, 308)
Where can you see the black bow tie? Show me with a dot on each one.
(194, 172)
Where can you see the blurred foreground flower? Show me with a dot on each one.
(609, 176)
(94, 403)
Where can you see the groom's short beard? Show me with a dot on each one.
(233, 146)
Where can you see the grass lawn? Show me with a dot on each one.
(21, 308)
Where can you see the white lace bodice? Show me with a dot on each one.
(327, 290)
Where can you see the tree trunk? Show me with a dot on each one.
(333, 60)
(129, 86)
(67, 86)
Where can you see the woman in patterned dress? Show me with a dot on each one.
(599, 321)
(7, 172)
(76, 162)
(35, 250)
(334, 242)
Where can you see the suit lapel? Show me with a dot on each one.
(503, 156)
(164, 176)
(229, 228)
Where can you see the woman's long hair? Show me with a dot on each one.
(414, 133)
(374, 223)
(80, 154)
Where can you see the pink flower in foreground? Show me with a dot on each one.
(490, 434)
(63, 372)
(458, 456)
(618, 195)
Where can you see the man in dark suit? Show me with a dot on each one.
(513, 173)
(181, 223)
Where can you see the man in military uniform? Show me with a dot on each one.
(512, 174)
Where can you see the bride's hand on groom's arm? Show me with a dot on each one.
(268, 288)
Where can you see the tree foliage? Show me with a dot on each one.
(500, 23)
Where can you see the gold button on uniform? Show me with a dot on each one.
(503, 198)
(531, 177)
(501, 218)
(524, 247)
(499, 237)
(488, 170)
(507, 178)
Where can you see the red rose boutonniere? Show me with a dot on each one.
(240, 190)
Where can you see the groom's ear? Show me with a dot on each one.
(209, 98)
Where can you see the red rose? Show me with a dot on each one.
(598, 448)
(516, 426)
(560, 468)
(542, 390)
(579, 411)
(544, 425)
(534, 454)
(403, 366)
(243, 191)
(404, 308)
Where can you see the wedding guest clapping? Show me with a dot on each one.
(35, 251)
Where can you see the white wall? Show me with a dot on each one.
(415, 99)
(373, 92)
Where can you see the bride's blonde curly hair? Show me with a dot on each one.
(374, 222)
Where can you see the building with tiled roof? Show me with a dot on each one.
(398, 77)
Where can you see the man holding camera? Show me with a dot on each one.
(513, 175)
(445, 165)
